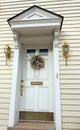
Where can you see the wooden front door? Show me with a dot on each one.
(38, 89)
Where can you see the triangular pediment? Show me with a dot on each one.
(35, 12)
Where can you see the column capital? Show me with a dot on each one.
(56, 34)
(55, 40)
(16, 40)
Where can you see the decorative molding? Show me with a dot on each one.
(34, 15)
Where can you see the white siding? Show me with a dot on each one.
(69, 75)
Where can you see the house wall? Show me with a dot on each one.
(69, 75)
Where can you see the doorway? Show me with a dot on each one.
(38, 90)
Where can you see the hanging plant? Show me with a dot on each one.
(37, 62)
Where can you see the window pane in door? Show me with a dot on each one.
(43, 52)
(30, 52)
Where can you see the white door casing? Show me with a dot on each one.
(57, 112)
(32, 22)
(37, 97)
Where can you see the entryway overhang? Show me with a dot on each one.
(35, 25)
(36, 21)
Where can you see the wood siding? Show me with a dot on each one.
(69, 75)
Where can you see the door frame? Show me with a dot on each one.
(15, 93)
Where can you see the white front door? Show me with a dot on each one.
(38, 88)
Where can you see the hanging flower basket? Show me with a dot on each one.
(37, 62)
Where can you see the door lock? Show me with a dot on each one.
(21, 87)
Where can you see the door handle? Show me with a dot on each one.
(21, 88)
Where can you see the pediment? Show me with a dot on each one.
(35, 12)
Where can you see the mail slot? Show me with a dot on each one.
(36, 83)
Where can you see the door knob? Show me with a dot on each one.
(21, 87)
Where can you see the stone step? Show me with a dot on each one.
(33, 126)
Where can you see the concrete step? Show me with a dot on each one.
(33, 126)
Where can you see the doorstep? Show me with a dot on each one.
(33, 126)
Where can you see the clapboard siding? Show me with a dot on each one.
(2, 95)
(70, 108)
(3, 127)
(72, 86)
(4, 106)
(69, 75)
(5, 91)
(71, 119)
(3, 122)
(4, 116)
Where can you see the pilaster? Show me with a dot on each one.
(13, 116)
(56, 81)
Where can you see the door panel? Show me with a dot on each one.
(43, 98)
(29, 96)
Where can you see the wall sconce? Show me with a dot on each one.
(65, 49)
(7, 51)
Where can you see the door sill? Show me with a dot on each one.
(37, 121)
